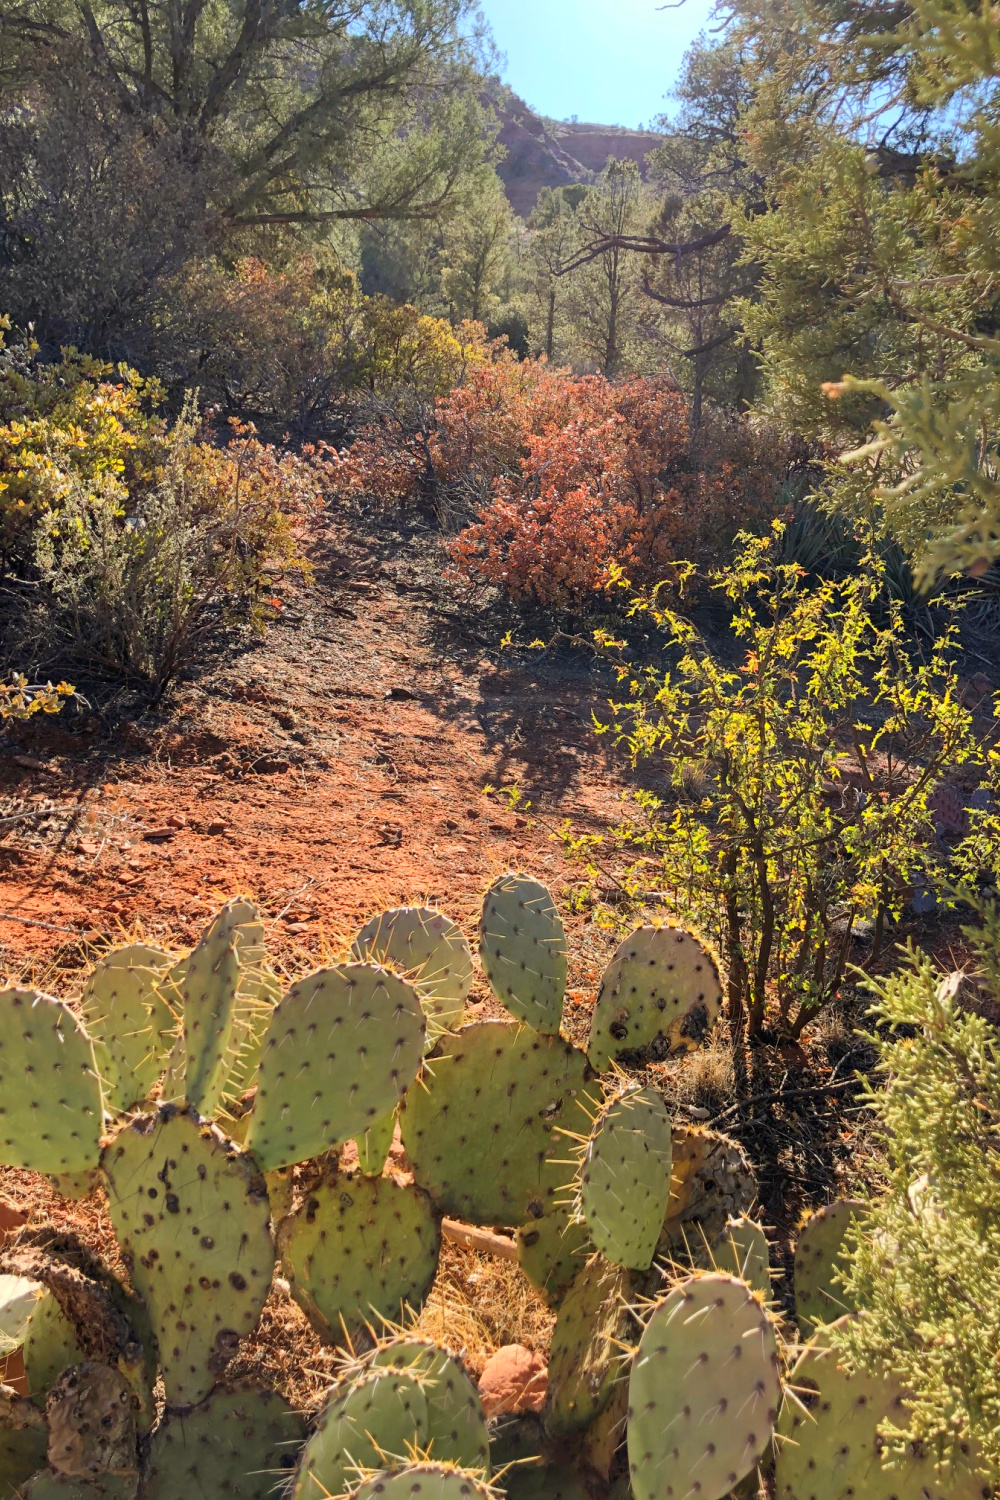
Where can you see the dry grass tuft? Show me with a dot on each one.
(478, 1303)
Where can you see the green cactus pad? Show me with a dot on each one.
(523, 950)
(50, 1346)
(360, 1250)
(660, 993)
(258, 993)
(209, 991)
(48, 1485)
(829, 1448)
(380, 1416)
(624, 1179)
(430, 950)
(237, 1443)
(585, 1356)
(129, 1022)
(819, 1295)
(191, 1215)
(373, 1146)
(741, 1251)
(456, 1424)
(424, 1481)
(712, 1182)
(551, 1250)
(704, 1391)
(342, 1048)
(484, 1136)
(50, 1097)
(24, 1443)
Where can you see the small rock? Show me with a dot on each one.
(159, 835)
(86, 846)
(11, 1218)
(176, 820)
(399, 694)
(31, 763)
(216, 827)
(513, 1379)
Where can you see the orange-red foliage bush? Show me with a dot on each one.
(574, 477)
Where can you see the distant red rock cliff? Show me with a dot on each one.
(547, 153)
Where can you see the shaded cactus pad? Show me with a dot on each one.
(660, 993)
(191, 1214)
(341, 1050)
(484, 1134)
(366, 1423)
(236, 1444)
(704, 1391)
(585, 1356)
(523, 950)
(358, 1251)
(819, 1296)
(427, 1481)
(50, 1099)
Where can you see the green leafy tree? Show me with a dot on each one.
(603, 296)
(552, 240)
(764, 840)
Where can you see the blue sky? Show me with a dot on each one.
(608, 61)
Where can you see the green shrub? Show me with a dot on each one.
(797, 781)
(134, 589)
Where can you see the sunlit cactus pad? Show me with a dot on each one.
(237, 1444)
(341, 1050)
(484, 1136)
(130, 1023)
(360, 1250)
(829, 1445)
(741, 1250)
(366, 1423)
(456, 1425)
(430, 949)
(624, 1177)
(660, 993)
(704, 1391)
(585, 1355)
(192, 1216)
(819, 1295)
(425, 1481)
(50, 1099)
(523, 950)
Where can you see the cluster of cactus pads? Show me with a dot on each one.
(239, 1128)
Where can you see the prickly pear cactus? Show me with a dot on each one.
(130, 1024)
(374, 1145)
(430, 1481)
(341, 1050)
(456, 1424)
(238, 1443)
(623, 1183)
(24, 1441)
(585, 1356)
(660, 993)
(211, 980)
(48, 1485)
(483, 1136)
(360, 1251)
(704, 1391)
(523, 950)
(430, 950)
(551, 1248)
(19, 1299)
(712, 1182)
(819, 1296)
(91, 1422)
(50, 1346)
(741, 1251)
(192, 1217)
(50, 1098)
(366, 1422)
(829, 1444)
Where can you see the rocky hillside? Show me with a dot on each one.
(546, 153)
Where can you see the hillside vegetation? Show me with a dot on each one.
(499, 773)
